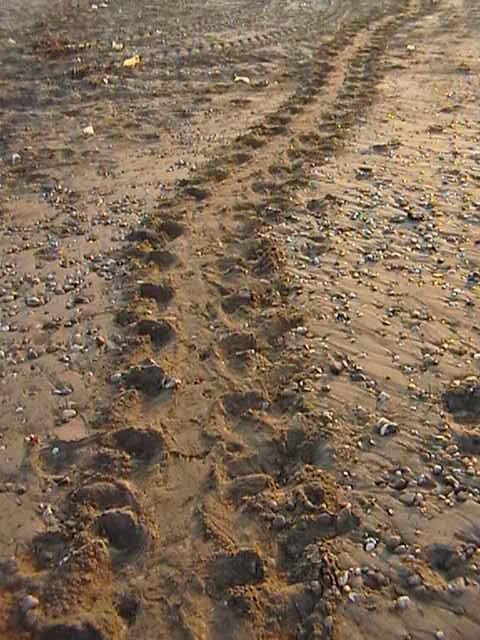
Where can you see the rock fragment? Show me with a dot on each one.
(386, 427)
(28, 602)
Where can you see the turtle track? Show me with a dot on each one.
(260, 407)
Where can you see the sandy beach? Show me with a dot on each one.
(239, 352)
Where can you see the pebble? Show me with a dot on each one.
(386, 427)
(68, 414)
(457, 586)
(383, 397)
(403, 602)
(343, 578)
(424, 480)
(401, 550)
(336, 367)
(370, 544)
(399, 483)
(439, 635)
(32, 354)
(48, 514)
(62, 390)
(244, 79)
(414, 580)
(33, 301)
(28, 602)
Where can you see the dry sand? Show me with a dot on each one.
(239, 344)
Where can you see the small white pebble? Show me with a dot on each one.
(28, 602)
(116, 378)
(403, 602)
(68, 414)
(370, 544)
(343, 578)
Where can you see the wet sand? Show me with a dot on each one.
(239, 348)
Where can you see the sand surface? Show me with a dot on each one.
(239, 346)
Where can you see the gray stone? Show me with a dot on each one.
(28, 602)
